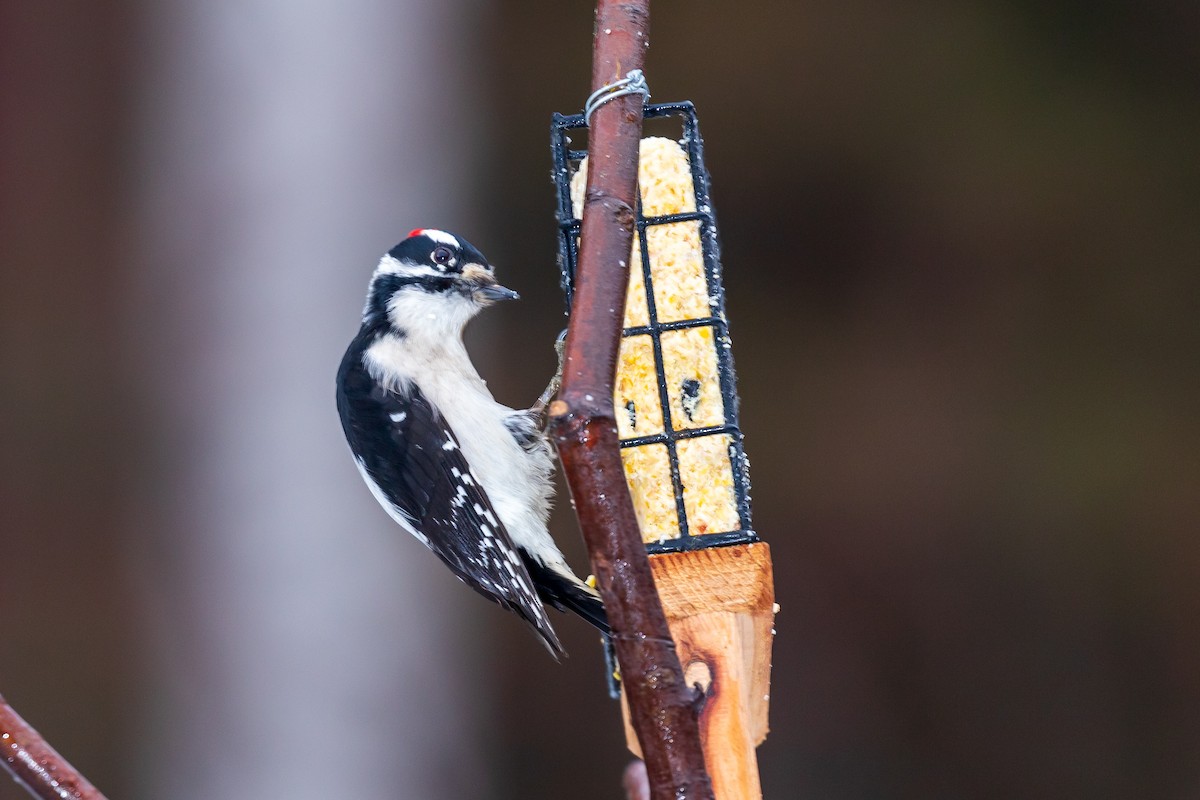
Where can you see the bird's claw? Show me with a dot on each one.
(539, 409)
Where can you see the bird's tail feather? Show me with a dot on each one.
(545, 633)
(561, 589)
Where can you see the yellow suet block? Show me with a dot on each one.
(689, 359)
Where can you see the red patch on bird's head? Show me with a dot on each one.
(415, 232)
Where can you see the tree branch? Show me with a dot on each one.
(35, 765)
(584, 427)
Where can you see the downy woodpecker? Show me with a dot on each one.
(468, 477)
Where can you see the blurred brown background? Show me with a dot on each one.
(961, 246)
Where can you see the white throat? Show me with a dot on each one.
(431, 319)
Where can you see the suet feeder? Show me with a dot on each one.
(681, 445)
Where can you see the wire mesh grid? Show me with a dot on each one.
(566, 160)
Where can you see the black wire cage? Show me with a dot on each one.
(675, 428)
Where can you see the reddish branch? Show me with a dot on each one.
(584, 426)
(35, 764)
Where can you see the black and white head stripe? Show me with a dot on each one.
(428, 260)
(430, 251)
(413, 465)
(441, 237)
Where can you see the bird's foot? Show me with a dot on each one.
(539, 409)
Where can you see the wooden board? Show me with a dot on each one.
(720, 603)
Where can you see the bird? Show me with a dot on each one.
(469, 477)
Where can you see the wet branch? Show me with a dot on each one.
(583, 424)
(35, 765)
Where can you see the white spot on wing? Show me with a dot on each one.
(399, 416)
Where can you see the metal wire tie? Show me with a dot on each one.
(634, 82)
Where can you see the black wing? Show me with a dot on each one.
(412, 462)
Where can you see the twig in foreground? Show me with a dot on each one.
(35, 765)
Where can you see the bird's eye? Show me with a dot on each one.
(443, 255)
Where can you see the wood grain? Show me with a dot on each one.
(719, 605)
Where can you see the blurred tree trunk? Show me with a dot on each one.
(64, 654)
(304, 647)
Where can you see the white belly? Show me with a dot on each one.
(517, 482)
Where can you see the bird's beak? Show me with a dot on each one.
(495, 292)
(484, 287)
